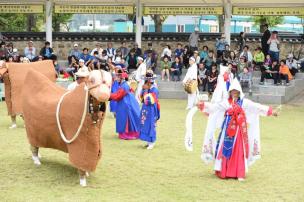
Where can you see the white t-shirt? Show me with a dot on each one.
(141, 71)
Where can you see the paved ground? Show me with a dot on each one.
(298, 100)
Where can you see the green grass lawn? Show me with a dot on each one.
(127, 172)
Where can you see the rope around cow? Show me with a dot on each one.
(63, 137)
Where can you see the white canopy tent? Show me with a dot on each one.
(140, 4)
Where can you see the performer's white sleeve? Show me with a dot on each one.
(211, 108)
(256, 108)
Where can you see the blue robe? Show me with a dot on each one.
(113, 103)
(150, 113)
(127, 111)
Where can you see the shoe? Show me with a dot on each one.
(83, 182)
(261, 83)
(13, 126)
(36, 160)
(241, 179)
(287, 84)
(151, 145)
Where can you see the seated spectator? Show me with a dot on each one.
(9, 49)
(165, 67)
(247, 54)
(30, 51)
(73, 66)
(3, 51)
(15, 55)
(150, 61)
(81, 64)
(103, 61)
(74, 52)
(212, 79)
(274, 42)
(186, 56)
(196, 57)
(110, 50)
(132, 61)
(46, 51)
(209, 60)
(292, 64)
(245, 78)
(97, 48)
(202, 77)
(167, 52)
(233, 59)
(57, 67)
(204, 53)
(26, 60)
(284, 72)
(176, 69)
(85, 56)
(241, 65)
(118, 55)
(258, 58)
(138, 51)
(179, 51)
(124, 50)
(267, 63)
(10, 59)
(270, 72)
(226, 55)
(95, 60)
(220, 46)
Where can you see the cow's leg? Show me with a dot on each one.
(82, 176)
(35, 155)
(14, 125)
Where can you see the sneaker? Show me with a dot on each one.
(287, 84)
(241, 179)
(261, 83)
(151, 145)
(83, 182)
(13, 126)
(36, 160)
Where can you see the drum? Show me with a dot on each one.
(191, 86)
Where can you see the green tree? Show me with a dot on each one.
(61, 19)
(270, 20)
(10, 22)
(158, 22)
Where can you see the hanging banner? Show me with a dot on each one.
(94, 9)
(268, 11)
(17, 8)
(154, 10)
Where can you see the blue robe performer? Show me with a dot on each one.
(150, 112)
(127, 109)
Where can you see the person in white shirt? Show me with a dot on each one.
(82, 76)
(111, 52)
(247, 54)
(167, 52)
(99, 49)
(191, 75)
(30, 51)
(139, 75)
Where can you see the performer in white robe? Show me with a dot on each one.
(238, 144)
(139, 76)
(191, 75)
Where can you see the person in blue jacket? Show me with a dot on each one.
(150, 111)
(127, 109)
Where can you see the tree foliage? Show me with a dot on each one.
(158, 21)
(270, 20)
(13, 22)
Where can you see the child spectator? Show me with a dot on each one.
(270, 72)
(246, 79)
(241, 65)
(258, 58)
(165, 66)
(176, 69)
(202, 77)
(212, 79)
(204, 53)
(178, 51)
(284, 72)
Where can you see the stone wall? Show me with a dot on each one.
(63, 44)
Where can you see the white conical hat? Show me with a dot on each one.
(235, 85)
(83, 72)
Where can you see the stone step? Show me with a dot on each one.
(168, 94)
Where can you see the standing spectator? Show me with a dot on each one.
(246, 79)
(202, 77)
(165, 67)
(241, 41)
(46, 51)
(284, 72)
(220, 46)
(30, 51)
(203, 54)
(186, 56)
(193, 39)
(131, 60)
(85, 56)
(270, 72)
(139, 76)
(212, 79)
(98, 48)
(179, 51)
(273, 42)
(209, 60)
(124, 50)
(292, 64)
(167, 52)
(265, 38)
(258, 58)
(150, 61)
(248, 55)
(74, 52)
(138, 51)
(110, 50)
(176, 69)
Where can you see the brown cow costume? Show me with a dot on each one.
(14, 75)
(40, 98)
